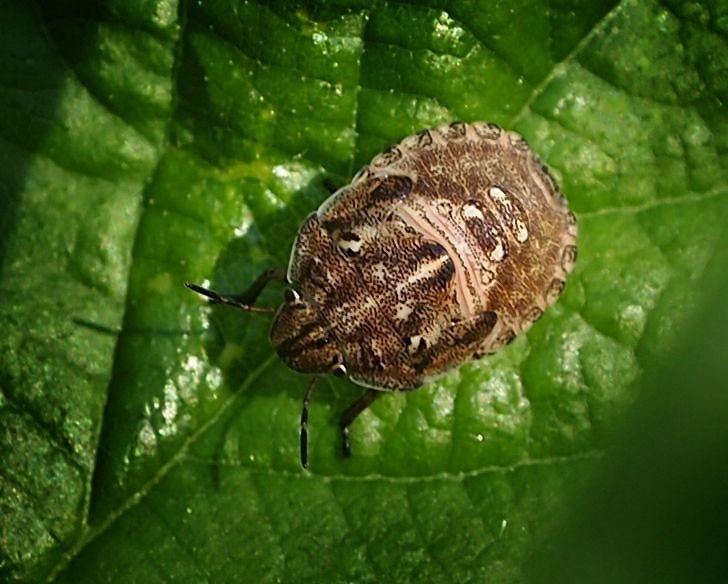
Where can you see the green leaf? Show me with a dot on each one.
(656, 512)
(146, 437)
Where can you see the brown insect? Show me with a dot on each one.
(441, 250)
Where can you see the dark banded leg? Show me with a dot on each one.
(304, 422)
(245, 300)
(350, 414)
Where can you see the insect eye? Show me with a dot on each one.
(339, 370)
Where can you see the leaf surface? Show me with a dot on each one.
(149, 437)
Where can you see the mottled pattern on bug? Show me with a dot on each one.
(445, 247)
(441, 250)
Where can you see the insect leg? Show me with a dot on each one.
(350, 414)
(304, 422)
(245, 300)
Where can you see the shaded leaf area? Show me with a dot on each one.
(656, 510)
(72, 174)
(209, 130)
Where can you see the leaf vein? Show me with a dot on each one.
(558, 67)
(659, 202)
(99, 99)
(403, 479)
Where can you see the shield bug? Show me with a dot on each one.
(441, 250)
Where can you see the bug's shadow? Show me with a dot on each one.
(237, 341)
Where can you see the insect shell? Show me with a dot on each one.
(441, 250)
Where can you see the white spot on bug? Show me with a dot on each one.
(497, 194)
(498, 253)
(428, 270)
(470, 211)
(403, 312)
(521, 231)
(380, 271)
(486, 276)
(416, 343)
(350, 245)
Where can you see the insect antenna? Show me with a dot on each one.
(236, 301)
(304, 422)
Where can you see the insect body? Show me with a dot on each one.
(441, 250)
